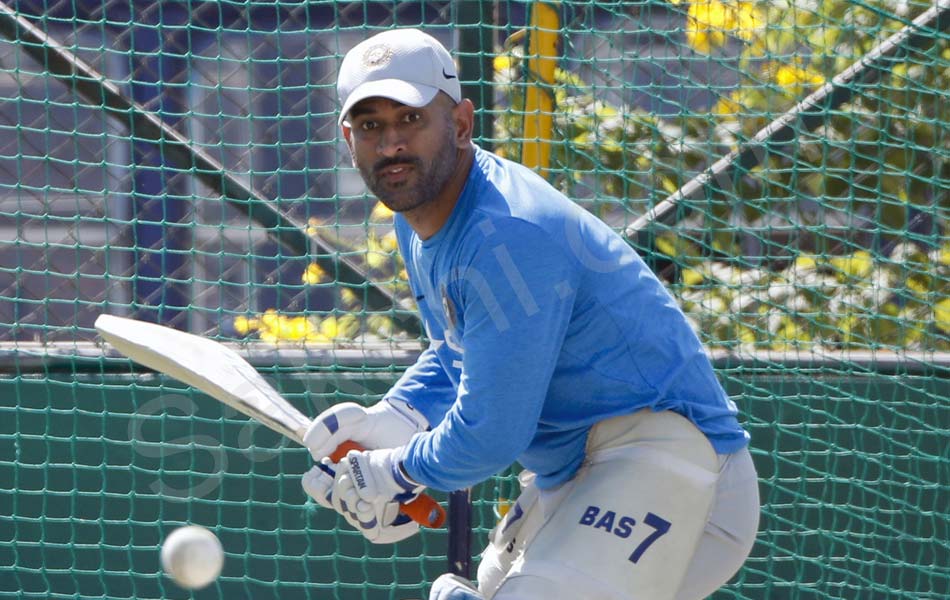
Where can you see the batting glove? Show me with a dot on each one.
(368, 489)
(318, 483)
(453, 587)
(387, 424)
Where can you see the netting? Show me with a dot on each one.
(180, 163)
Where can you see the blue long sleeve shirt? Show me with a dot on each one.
(542, 321)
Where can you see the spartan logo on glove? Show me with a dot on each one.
(357, 473)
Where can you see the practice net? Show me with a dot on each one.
(180, 163)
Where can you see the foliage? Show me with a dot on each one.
(853, 301)
(350, 322)
(836, 240)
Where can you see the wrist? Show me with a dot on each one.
(404, 478)
(403, 410)
(409, 487)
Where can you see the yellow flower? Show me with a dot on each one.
(707, 22)
(502, 62)
(314, 274)
(328, 327)
(244, 325)
(855, 266)
(692, 277)
(301, 327)
(388, 242)
(267, 336)
(378, 256)
(710, 22)
(605, 111)
(274, 327)
(746, 334)
(942, 315)
(790, 331)
(849, 326)
(350, 298)
(570, 78)
(342, 327)
(727, 106)
(944, 257)
(746, 20)
(313, 225)
(610, 145)
(795, 79)
(292, 328)
(703, 41)
(269, 320)
(380, 325)
(666, 246)
(805, 262)
(919, 283)
(912, 334)
(381, 214)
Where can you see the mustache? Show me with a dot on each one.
(384, 163)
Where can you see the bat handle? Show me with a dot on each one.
(343, 449)
(423, 509)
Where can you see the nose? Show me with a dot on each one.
(392, 141)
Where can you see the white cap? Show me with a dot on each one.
(405, 65)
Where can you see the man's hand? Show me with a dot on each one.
(368, 488)
(392, 527)
(387, 424)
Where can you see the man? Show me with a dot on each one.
(551, 344)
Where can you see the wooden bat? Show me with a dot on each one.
(220, 372)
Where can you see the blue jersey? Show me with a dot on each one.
(542, 321)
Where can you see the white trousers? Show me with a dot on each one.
(653, 514)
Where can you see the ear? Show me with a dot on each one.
(348, 138)
(463, 114)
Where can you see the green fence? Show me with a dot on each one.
(99, 466)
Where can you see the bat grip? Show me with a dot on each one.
(423, 509)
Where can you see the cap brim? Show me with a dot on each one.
(404, 92)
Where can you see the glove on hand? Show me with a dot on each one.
(393, 526)
(453, 587)
(368, 489)
(387, 424)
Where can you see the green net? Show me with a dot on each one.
(180, 163)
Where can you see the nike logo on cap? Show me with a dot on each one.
(447, 76)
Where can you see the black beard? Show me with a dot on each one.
(404, 196)
(430, 178)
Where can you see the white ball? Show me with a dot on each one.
(192, 556)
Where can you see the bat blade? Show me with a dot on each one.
(221, 373)
(205, 365)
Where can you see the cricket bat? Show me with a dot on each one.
(221, 373)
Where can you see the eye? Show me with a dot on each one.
(368, 125)
(412, 117)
